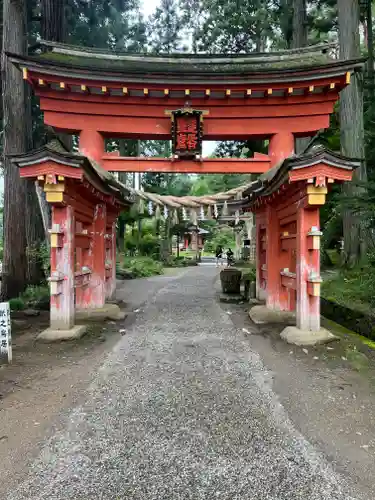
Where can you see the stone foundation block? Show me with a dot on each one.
(294, 335)
(261, 315)
(107, 312)
(52, 335)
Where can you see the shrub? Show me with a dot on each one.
(142, 267)
(149, 245)
(37, 297)
(17, 304)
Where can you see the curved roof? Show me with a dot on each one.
(69, 60)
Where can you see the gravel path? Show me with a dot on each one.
(181, 409)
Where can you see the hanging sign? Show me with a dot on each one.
(5, 331)
(187, 132)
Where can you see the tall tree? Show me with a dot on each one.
(53, 20)
(352, 123)
(15, 141)
(165, 28)
(299, 24)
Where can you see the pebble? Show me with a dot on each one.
(305, 351)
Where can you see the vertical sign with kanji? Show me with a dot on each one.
(5, 331)
(187, 132)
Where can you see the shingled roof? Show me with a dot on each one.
(315, 153)
(63, 59)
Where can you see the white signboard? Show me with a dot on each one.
(5, 331)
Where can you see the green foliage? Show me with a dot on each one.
(249, 273)
(37, 297)
(223, 237)
(164, 30)
(353, 288)
(17, 304)
(142, 267)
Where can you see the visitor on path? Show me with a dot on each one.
(219, 255)
(230, 259)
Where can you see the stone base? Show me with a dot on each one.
(256, 302)
(108, 312)
(231, 298)
(294, 335)
(52, 335)
(261, 315)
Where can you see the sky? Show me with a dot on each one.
(149, 6)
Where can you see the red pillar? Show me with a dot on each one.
(261, 256)
(91, 144)
(281, 146)
(111, 259)
(307, 271)
(98, 257)
(273, 260)
(62, 268)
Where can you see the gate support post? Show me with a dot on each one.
(111, 279)
(308, 269)
(62, 268)
(98, 257)
(273, 259)
(281, 146)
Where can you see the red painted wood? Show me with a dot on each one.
(160, 128)
(207, 104)
(207, 166)
(91, 143)
(281, 146)
(307, 307)
(63, 267)
(244, 110)
(98, 294)
(50, 168)
(323, 170)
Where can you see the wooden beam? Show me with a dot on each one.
(206, 166)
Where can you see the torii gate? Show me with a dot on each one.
(96, 95)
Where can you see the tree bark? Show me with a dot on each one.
(15, 141)
(299, 24)
(352, 126)
(53, 20)
(370, 45)
(300, 36)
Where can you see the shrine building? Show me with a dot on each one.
(96, 95)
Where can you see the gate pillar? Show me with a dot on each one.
(62, 268)
(273, 258)
(281, 146)
(308, 269)
(98, 292)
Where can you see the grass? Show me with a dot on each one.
(350, 288)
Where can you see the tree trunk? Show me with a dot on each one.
(15, 142)
(300, 40)
(370, 45)
(53, 20)
(299, 24)
(351, 125)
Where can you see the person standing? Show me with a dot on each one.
(219, 255)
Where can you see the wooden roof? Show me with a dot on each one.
(72, 61)
(97, 176)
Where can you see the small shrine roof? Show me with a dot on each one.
(316, 153)
(55, 150)
(89, 63)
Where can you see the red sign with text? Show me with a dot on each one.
(187, 140)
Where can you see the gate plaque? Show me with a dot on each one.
(187, 133)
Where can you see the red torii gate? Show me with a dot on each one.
(99, 94)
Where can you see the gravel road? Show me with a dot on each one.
(182, 408)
